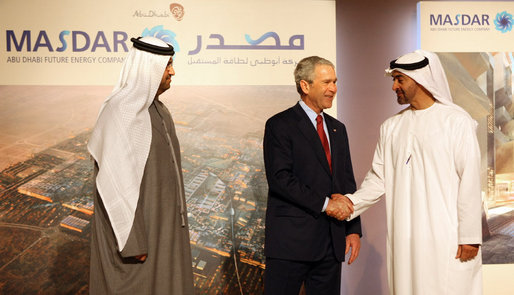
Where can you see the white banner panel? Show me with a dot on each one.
(234, 67)
(217, 42)
(448, 26)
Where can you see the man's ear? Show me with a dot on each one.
(305, 86)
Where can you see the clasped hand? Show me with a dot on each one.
(339, 207)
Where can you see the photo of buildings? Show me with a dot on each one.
(46, 189)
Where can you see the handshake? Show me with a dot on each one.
(339, 207)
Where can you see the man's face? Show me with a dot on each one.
(166, 77)
(405, 87)
(320, 93)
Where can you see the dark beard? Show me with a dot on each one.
(401, 100)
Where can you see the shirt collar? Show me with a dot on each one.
(310, 113)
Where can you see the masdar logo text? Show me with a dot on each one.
(502, 22)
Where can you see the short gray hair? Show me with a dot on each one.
(305, 70)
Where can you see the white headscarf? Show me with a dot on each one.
(120, 142)
(431, 76)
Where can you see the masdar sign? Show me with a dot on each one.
(465, 26)
(71, 43)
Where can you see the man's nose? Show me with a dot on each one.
(333, 87)
(395, 86)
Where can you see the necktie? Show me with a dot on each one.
(324, 140)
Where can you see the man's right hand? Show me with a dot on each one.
(339, 207)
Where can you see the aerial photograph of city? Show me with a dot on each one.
(46, 183)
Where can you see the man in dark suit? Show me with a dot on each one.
(308, 168)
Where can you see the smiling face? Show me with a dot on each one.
(319, 94)
(166, 78)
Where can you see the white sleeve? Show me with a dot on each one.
(373, 187)
(469, 200)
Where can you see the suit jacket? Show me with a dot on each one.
(299, 180)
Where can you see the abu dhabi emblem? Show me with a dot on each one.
(177, 11)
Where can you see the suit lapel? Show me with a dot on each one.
(309, 132)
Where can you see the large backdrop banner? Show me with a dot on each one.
(475, 42)
(234, 67)
(217, 42)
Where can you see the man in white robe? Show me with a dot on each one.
(427, 163)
